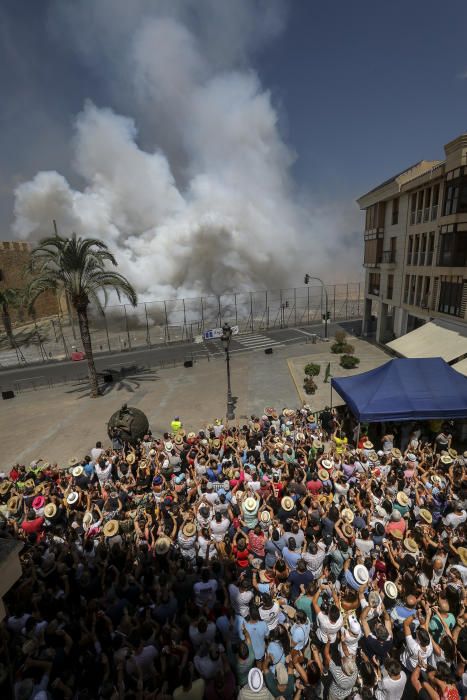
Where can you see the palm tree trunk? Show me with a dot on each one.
(6, 318)
(87, 347)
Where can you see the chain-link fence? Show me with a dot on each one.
(153, 323)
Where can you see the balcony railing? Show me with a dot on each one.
(426, 214)
(419, 216)
(389, 257)
(434, 212)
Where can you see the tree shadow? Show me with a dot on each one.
(128, 379)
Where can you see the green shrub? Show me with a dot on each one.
(339, 348)
(309, 385)
(340, 337)
(349, 361)
(312, 370)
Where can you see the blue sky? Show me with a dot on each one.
(362, 89)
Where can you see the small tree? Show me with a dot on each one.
(312, 369)
(9, 298)
(340, 336)
(309, 385)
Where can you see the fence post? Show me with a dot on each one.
(107, 332)
(202, 315)
(127, 329)
(347, 302)
(166, 334)
(267, 308)
(308, 306)
(334, 303)
(236, 310)
(148, 336)
(251, 312)
(295, 305)
(358, 301)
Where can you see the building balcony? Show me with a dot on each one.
(374, 291)
(389, 257)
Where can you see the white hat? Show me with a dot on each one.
(77, 471)
(354, 625)
(361, 574)
(390, 590)
(169, 446)
(411, 457)
(255, 680)
(249, 504)
(72, 498)
(326, 463)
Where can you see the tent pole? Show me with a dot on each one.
(331, 395)
(358, 433)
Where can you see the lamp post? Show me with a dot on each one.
(225, 338)
(323, 286)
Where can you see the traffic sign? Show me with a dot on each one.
(215, 333)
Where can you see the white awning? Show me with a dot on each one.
(434, 339)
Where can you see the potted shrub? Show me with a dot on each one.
(309, 385)
(312, 369)
(349, 361)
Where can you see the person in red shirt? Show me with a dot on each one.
(241, 550)
(31, 524)
(314, 486)
(256, 539)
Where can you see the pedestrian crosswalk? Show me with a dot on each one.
(256, 341)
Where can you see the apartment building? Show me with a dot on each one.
(415, 250)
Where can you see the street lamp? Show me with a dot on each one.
(323, 286)
(225, 338)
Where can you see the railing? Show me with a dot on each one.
(434, 212)
(429, 258)
(389, 257)
(426, 214)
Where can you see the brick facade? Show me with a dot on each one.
(14, 258)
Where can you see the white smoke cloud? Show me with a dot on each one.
(211, 207)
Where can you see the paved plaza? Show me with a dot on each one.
(55, 424)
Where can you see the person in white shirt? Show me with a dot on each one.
(240, 598)
(96, 452)
(205, 590)
(201, 632)
(219, 527)
(328, 624)
(456, 518)
(417, 651)
(391, 681)
(270, 612)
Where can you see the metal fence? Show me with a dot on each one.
(153, 323)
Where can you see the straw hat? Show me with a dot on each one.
(249, 504)
(229, 441)
(162, 544)
(189, 529)
(77, 471)
(390, 590)
(372, 456)
(130, 458)
(452, 452)
(347, 516)
(5, 486)
(111, 528)
(50, 511)
(300, 437)
(446, 459)
(288, 412)
(14, 504)
(265, 516)
(289, 611)
(462, 552)
(73, 462)
(143, 464)
(361, 574)
(323, 475)
(368, 445)
(216, 443)
(29, 484)
(396, 453)
(178, 439)
(326, 463)
(411, 457)
(426, 515)
(242, 444)
(347, 530)
(435, 479)
(87, 520)
(397, 534)
(287, 503)
(410, 545)
(191, 436)
(72, 498)
(39, 488)
(402, 498)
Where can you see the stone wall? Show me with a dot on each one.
(14, 258)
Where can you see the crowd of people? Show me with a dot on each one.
(277, 559)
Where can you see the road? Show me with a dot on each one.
(160, 356)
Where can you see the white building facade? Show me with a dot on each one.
(415, 246)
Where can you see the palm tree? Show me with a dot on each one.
(9, 298)
(78, 266)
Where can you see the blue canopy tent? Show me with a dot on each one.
(405, 389)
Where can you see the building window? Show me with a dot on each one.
(455, 199)
(374, 217)
(395, 211)
(406, 288)
(450, 296)
(1, 275)
(390, 287)
(413, 208)
(373, 283)
(410, 251)
(453, 249)
(431, 248)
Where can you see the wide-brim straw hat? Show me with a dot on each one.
(397, 534)
(288, 412)
(77, 471)
(402, 498)
(367, 445)
(50, 510)
(426, 515)
(87, 520)
(452, 452)
(72, 498)
(111, 528)
(323, 475)
(38, 502)
(216, 443)
(289, 611)
(446, 459)
(348, 531)
(73, 461)
(347, 515)
(361, 574)
(5, 486)
(229, 441)
(390, 590)
(249, 504)
(287, 503)
(265, 516)
(29, 484)
(396, 453)
(189, 529)
(462, 552)
(131, 458)
(410, 545)
(326, 463)
(162, 545)
(14, 504)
